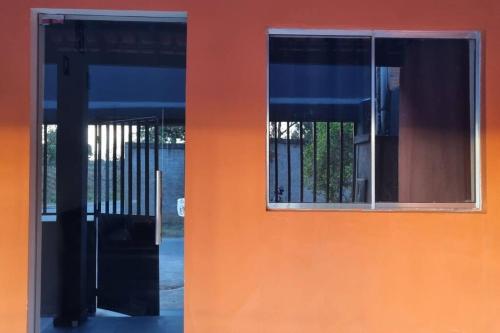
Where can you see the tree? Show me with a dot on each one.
(328, 172)
(173, 134)
(168, 134)
(51, 142)
(282, 127)
(329, 180)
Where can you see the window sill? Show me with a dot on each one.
(466, 207)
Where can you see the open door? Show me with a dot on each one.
(129, 216)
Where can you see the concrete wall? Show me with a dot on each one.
(171, 160)
(294, 177)
(252, 270)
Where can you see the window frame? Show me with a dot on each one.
(372, 205)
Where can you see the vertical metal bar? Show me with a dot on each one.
(289, 163)
(372, 124)
(45, 164)
(354, 171)
(107, 169)
(276, 132)
(115, 179)
(159, 212)
(156, 147)
(95, 170)
(315, 167)
(138, 168)
(130, 168)
(146, 169)
(341, 167)
(327, 161)
(301, 139)
(156, 162)
(122, 169)
(99, 168)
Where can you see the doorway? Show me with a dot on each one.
(111, 169)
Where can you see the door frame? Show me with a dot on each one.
(37, 44)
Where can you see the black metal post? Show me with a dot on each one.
(99, 167)
(138, 169)
(95, 169)
(71, 194)
(106, 165)
(115, 178)
(146, 169)
(328, 166)
(315, 167)
(276, 186)
(301, 134)
(289, 163)
(130, 168)
(353, 162)
(122, 168)
(341, 171)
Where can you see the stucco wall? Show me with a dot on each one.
(250, 270)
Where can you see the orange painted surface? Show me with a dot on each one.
(250, 270)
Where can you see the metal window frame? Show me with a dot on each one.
(475, 136)
(37, 44)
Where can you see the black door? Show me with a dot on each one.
(127, 251)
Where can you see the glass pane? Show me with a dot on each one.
(319, 119)
(114, 114)
(424, 120)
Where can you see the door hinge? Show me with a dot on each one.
(50, 19)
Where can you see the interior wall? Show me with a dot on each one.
(251, 270)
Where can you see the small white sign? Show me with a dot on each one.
(180, 207)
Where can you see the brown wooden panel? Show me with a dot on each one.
(434, 144)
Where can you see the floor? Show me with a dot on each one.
(170, 322)
(171, 274)
(171, 302)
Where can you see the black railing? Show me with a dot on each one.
(116, 185)
(128, 185)
(312, 162)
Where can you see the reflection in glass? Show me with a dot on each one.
(424, 94)
(319, 119)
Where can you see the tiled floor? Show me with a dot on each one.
(170, 322)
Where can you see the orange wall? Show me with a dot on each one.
(249, 270)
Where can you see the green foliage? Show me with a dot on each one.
(328, 168)
(334, 164)
(51, 145)
(168, 134)
(173, 134)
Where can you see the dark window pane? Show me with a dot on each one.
(319, 119)
(424, 90)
